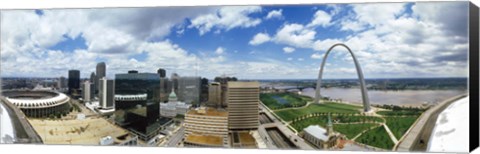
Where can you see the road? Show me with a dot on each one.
(176, 138)
(280, 140)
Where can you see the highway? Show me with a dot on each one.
(280, 140)
(176, 138)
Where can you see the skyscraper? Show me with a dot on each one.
(162, 72)
(243, 103)
(86, 91)
(101, 72)
(62, 82)
(106, 93)
(73, 81)
(93, 79)
(189, 90)
(214, 94)
(137, 106)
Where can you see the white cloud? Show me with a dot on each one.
(227, 18)
(288, 49)
(259, 38)
(295, 35)
(321, 18)
(300, 59)
(220, 50)
(274, 14)
(316, 56)
(324, 45)
(289, 58)
(368, 15)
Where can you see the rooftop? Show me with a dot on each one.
(237, 84)
(208, 112)
(317, 132)
(85, 132)
(205, 140)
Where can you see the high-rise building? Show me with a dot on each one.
(243, 103)
(137, 104)
(189, 90)
(73, 81)
(223, 84)
(174, 79)
(162, 72)
(106, 93)
(101, 72)
(214, 94)
(87, 91)
(62, 83)
(93, 79)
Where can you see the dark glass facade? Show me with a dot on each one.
(140, 116)
(73, 81)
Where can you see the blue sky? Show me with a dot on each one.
(391, 40)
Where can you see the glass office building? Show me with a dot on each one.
(137, 98)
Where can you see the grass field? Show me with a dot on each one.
(300, 125)
(328, 107)
(283, 100)
(400, 125)
(377, 137)
(399, 113)
(345, 118)
(352, 130)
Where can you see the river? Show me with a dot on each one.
(403, 97)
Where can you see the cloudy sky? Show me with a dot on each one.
(390, 40)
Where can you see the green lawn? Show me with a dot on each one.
(377, 137)
(400, 125)
(346, 118)
(300, 125)
(400, 113)
(328, 107)
(352, 130)
(291, 100)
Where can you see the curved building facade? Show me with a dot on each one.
(39, 103)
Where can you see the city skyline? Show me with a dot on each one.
(251, 42)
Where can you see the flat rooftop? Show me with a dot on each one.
(241, 84)
(243, 140)
(205, 140)
(82, 132)
(208, 112)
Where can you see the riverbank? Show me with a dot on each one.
(406, 98)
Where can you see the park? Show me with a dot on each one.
(299, 112)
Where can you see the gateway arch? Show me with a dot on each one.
(366, 102)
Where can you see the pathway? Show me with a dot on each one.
(394, 139)
(360, 134)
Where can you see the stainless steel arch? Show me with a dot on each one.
(366, 101)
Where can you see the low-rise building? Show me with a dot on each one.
(173, 107)
(321, 137)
